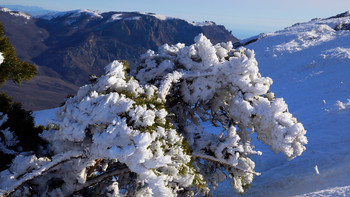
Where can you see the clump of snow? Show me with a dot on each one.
(338, 53)
(316, 169)
(10, 138)
(16, 13)
(343, 106)
(1, 58)
(3, 118)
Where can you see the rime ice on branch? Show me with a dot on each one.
(142, 136)
(222, 85)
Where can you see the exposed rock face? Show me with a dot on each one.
(69, 46)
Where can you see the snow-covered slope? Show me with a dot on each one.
(310, 66)
(15, 13)
(334, 192)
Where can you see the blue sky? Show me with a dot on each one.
(244, 18)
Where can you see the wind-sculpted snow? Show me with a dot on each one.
(143, 136)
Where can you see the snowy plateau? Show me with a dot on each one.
(310, 66)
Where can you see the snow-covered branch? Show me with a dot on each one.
(100, 178)
(16, 183)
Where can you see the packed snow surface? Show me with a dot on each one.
(45, 117)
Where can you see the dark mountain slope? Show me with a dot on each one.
(69, 46)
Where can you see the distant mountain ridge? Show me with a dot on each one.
(69, 46)
(32, 10)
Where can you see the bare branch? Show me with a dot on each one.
(92, 168)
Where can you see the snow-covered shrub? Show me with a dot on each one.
(143, 135)
(222, 85)
(17, 131)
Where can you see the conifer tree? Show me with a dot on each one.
(17, 130)
(141, 133)
(12, 68)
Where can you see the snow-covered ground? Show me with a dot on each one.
(45, 117)
(334, 192)
(310, 66)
